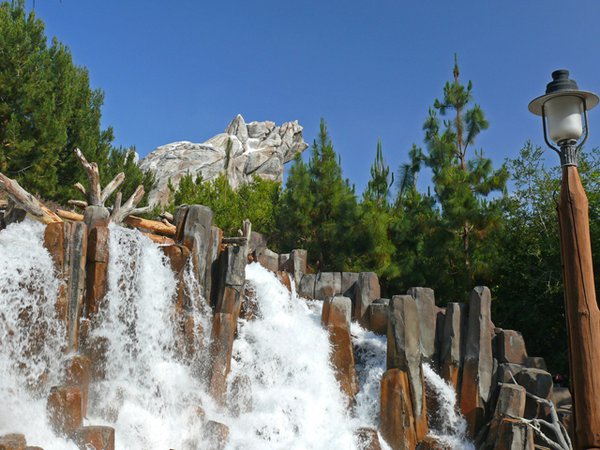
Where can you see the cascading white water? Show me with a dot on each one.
(150, 395)
(370, 352)
(31, 334)
(296, 401)
(451, 427)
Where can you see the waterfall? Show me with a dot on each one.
(282, 391)
(31, 334)
(150, 394)
(296, 401)
(451, 426)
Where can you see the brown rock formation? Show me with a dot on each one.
(336, 318)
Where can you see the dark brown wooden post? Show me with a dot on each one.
(583, 316)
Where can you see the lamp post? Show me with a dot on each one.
(564, 116)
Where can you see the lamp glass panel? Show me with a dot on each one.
(564, 118)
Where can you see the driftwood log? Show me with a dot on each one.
(26, 201)
(96, 196)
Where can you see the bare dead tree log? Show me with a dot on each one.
(69, 215)
(81, 204)
(80, 188)
(111, 187)
(94, 194)
(120, 212)
(26, 201)
(151, 225)
(564, 441)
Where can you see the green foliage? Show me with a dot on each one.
(319, 211)
(528, 285)
(464, 214)
(256, 201)
(47, 108)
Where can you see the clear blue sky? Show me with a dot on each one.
(181, 70)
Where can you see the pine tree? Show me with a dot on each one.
(318, 209)
(378, 187)
(462, 183)
(47, 108)
(375, 247)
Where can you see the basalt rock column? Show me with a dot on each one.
(403, 406)
(67, 243)
(478, 363)
(366, 290)
(97, 269)
(451, 352)
(178, 256)
(425, 300)
(336, 318)
(196, 233)
(233, 262)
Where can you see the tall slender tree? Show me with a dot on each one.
(462, 183)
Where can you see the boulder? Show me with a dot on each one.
(451, 352)
(336, 318)
(367, 439)
(478, 365)
(64, 409)
(307, 286)
(404, 353)
(366, 290)
(327, 284)
(222, 335)
(95, 216)
(268, 259)
(511, 347)
(178, 256)
(97, 437)
(78, 372)
(425, 300)
(240, 153)
(283, 261)
(510, 403)
(217, 435)
(349, 280)
(431, 443)
(376, 316)
(539, 383)
(514, 435)
(297, 264)
(396, 415)
(240, 395)
(13, 441)
(256, 241)
(535, 362)
(197, 236)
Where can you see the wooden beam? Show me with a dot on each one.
(159, 239)
(26, 201)
(69, 215)
(151, 225)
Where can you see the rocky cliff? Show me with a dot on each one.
(241, 152)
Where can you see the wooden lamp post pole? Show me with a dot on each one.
(562, 109)
(583, 316)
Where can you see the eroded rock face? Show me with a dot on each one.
(241, 152)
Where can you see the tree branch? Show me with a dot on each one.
(95, 193)
(111, 187)
(26, 201)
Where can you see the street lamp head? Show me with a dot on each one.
(562, 108)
